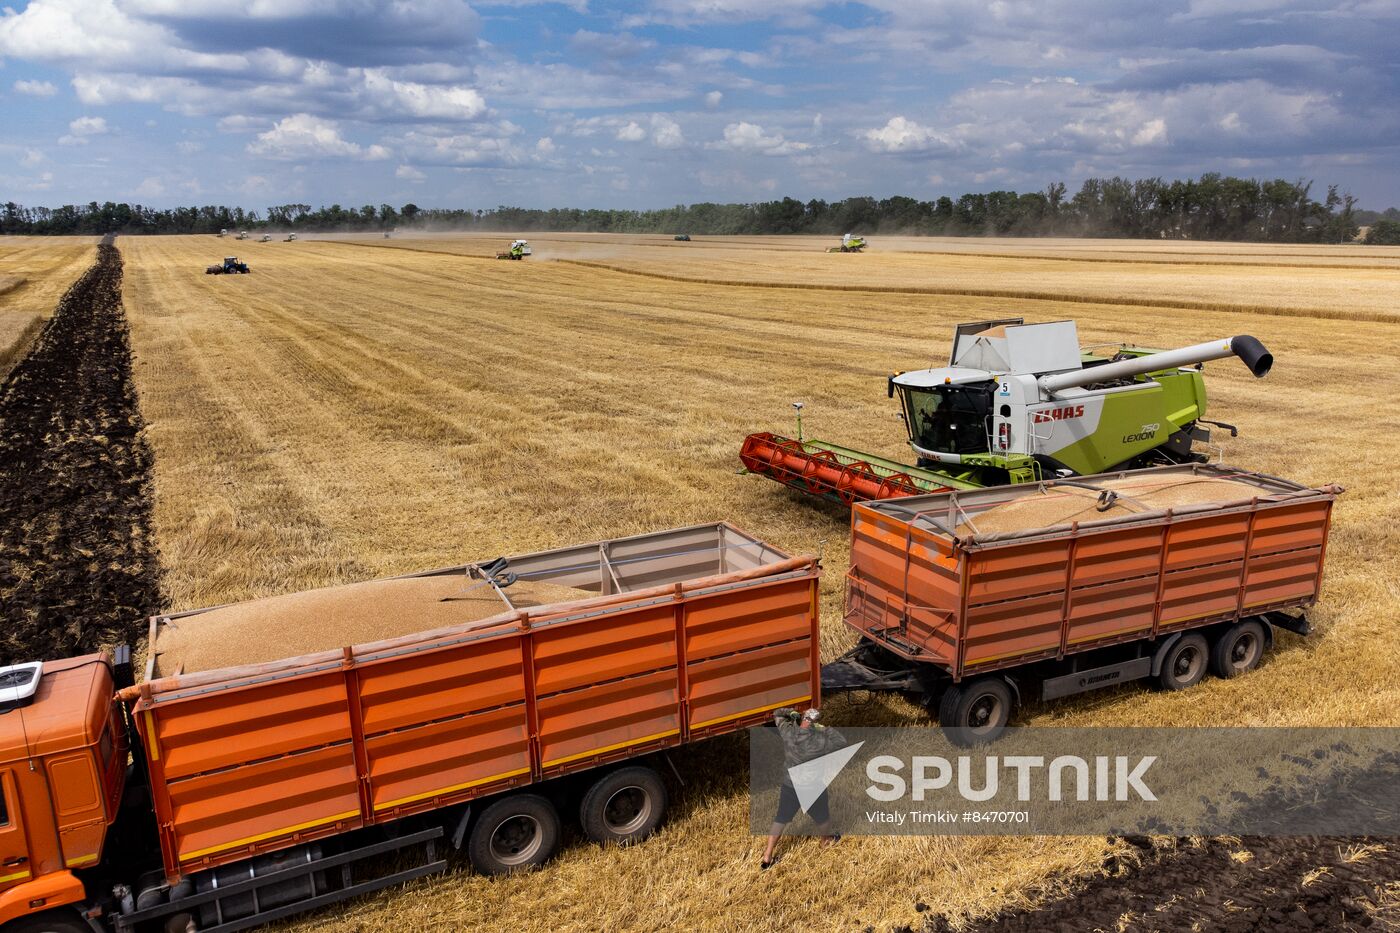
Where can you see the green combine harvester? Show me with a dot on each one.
(1020, 403)
(850, 243)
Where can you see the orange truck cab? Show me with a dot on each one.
(63, 755)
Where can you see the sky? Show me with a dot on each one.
(587, 103)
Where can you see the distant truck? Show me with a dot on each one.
(280, 784)
(973, 602)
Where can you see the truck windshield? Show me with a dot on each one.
(949, 419)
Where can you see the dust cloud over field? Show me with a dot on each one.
(371, 406)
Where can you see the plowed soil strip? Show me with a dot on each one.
(78, 566)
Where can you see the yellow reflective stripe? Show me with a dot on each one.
(448, 790)
(611, 748)
(17, 876)
(239, 843)
(151, 736)
(750, 712)
(81, 860)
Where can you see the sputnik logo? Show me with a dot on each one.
(811, 778)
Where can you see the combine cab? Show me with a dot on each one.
(230, 266)
(1020, 403)
(518, 250)
(850, 243)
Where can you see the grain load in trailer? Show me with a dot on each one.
(286, 745)
(978, 600)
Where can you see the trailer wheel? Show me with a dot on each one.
(516, 832)
(1238, 650)
(51, 921)
(623, 806)
(1185, 663)
(975, 712)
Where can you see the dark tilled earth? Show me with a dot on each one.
(78, 565)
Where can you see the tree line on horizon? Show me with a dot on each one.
(1212, 207)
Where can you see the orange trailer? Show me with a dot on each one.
(975, 620)
(272, 784)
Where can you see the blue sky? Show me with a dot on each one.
(647, 104)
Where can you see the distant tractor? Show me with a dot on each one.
(682, 238)
(229, 266)
(850, 243)
(519, 249)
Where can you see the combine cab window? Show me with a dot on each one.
(4, 807)
(949, 419)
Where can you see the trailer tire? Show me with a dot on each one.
(1238, 650)
(514, 833)
(975, 712)
(623, 806)
(1185, 662)
(51, 921)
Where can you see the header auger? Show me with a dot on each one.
(1021, 403)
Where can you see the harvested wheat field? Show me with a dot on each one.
(358, 409)
(34, 272)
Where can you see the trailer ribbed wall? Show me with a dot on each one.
(972, 604)
(263, 762)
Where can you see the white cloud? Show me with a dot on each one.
(409, 173)
(188, 147)
(303, 136)
(82, 129)
(1153, 131)
(36, 88)
(545, 146)
(422, 101)
(631, 132)
(713, 99)
(901, 135)
(665, 132)
(32, 158)
(150, 188)
(750, 137)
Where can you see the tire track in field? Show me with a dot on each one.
(1328, 314)
(78, 564)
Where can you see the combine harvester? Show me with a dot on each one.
(266, 238)
(299, 750)
(1020, 403)
(519, 249)
(850, 243)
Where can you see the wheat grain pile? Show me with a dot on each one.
(348, 412)
(277, 627)
(1063, 504)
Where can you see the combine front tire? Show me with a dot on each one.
(516, 832)
(975, 712)
(623, 806)
(1238, 649)
(1185, 663)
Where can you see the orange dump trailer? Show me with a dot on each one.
(272, 783)
(980, 599)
